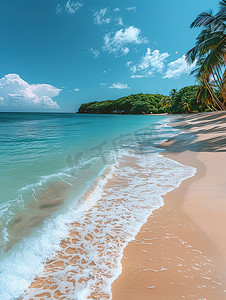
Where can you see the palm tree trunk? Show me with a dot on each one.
(224, 88)
(221, 84)
(211, 108)
(216, 100)
(216, 79)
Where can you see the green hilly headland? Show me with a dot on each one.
(182, 101)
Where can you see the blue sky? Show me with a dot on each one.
(55, 55)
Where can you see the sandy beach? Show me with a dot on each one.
(113, 150)
(180, 253)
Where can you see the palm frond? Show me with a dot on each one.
(205, 41)
(211, 41)
(205, 19)
(210, 53)
(215, 56)
(203, 95)
(223, 3)
(222, 12)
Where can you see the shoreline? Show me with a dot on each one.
(209, 178)
(155, 267)
(117, 194)
(170, 257)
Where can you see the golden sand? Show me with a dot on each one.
(186, 238)
(180, 252)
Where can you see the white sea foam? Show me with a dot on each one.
(68, 175)
(112, 215)
(114, 220)
(27, 259)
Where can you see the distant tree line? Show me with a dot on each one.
(182, 101)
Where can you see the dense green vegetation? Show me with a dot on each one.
(183, 101)
(133, 104)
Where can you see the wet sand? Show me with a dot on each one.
(180, 253)
(91, 254)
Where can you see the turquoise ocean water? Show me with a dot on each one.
(47, 162)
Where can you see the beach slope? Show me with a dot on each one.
(180, 253)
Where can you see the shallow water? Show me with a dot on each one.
(90, 258)
(48, 162)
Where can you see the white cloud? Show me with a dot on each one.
(119, 21)
(132, 8)
(152, 61)
(76, 90)
(125, 51)
(95, 52)
(119, 85)
(178, 67)
(70, 7)
(17, 93)
(73, 7)
(103, 84)
(58, 9)
(140, 76)
(116, 9)
(100, 17)
(115, 42)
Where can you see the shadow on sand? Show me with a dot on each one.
(212, 139)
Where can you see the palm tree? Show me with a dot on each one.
(172, 93)
(210, 52)
(187, 106)
(209, 83)
(166, 101)
(204, 96)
